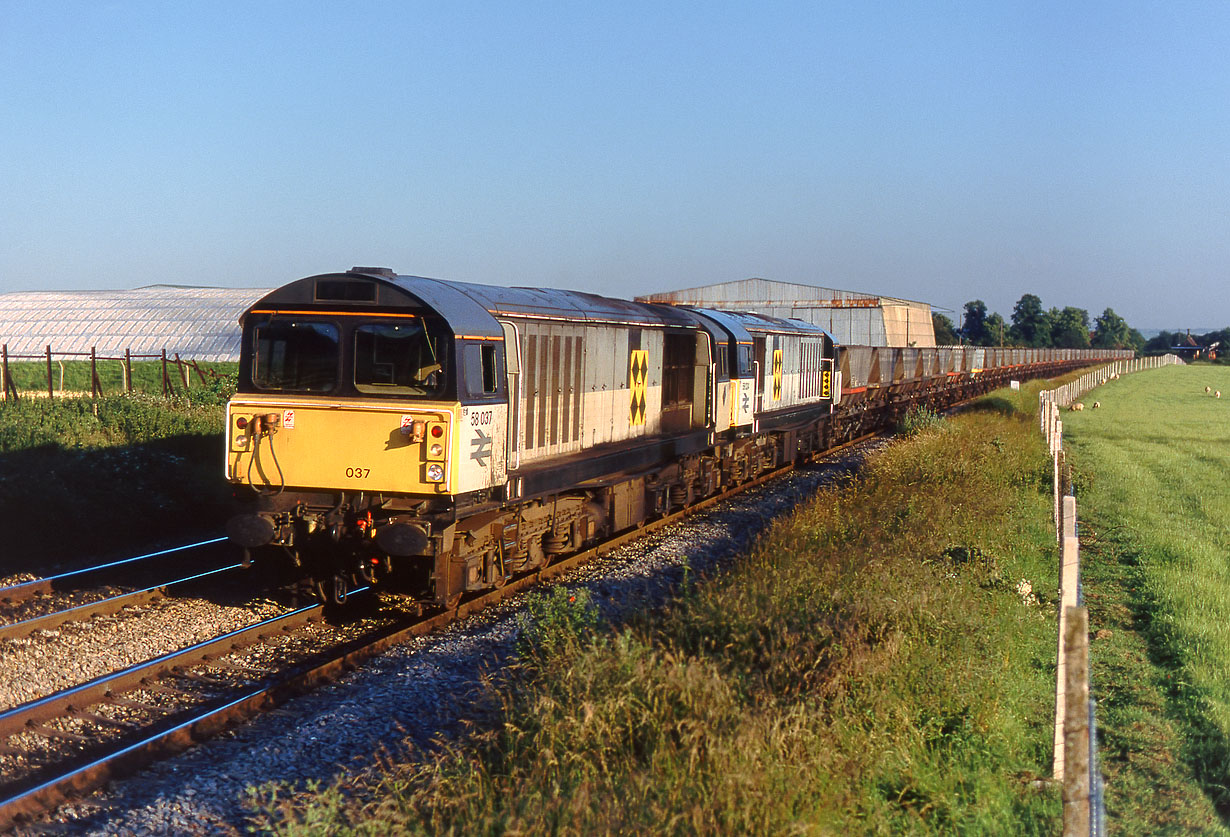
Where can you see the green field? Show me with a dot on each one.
(1151, 469)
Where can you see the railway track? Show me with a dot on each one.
(117, 723)
(104, 606)
(25, 591)
(107, 588)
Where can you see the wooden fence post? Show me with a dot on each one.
(95, 389)
(1076, 813)
(200, 375)
(183, 371)
(128, 370)
(50, 382)
(166, 380)
(8, 387)
(1069, 584)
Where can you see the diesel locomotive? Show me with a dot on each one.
(450, 435)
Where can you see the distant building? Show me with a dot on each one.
(851, 317)
(195, 323)
(1188, 348)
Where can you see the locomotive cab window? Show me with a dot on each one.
(295, 356)
(480, 369)
(397, 359)
(745, 365)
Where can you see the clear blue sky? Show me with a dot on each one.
(941, 151)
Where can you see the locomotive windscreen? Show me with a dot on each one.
(295, 356)
(397, 359)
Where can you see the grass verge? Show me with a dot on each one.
(882, 662)
(1150, 471)
(82, 479)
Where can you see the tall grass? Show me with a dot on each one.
(1150, 473)
(880, 663)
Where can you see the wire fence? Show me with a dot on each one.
(1076, 761)
(176, 372)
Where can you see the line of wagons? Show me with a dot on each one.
(444, 436)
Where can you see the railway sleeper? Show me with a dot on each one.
(104, 721)
(140, 706)
(59, 734)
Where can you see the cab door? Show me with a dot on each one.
(512, 371)
(761, 370)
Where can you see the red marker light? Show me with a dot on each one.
(241, 423)
(437, 431)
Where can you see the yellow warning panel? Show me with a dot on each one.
(638, 384)
(777, 374)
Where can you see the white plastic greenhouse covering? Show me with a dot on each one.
(196, 323)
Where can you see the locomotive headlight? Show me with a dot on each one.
(240, 441)
(436, 450)
(435, 472)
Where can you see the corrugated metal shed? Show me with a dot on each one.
(198, 323)
(851, 317)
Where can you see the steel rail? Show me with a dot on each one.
(101, 607)
(29, 589)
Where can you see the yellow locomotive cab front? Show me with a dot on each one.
(311, 444)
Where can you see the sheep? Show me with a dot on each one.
(1207, 390)
(1217, 394)
(1096, 405)
(1077, 407)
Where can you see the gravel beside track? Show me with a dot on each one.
(47, 661)
(418, 692)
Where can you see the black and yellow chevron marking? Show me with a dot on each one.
(826, 383)
(777, 374)
(638, 383)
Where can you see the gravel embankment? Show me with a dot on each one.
(416, 693)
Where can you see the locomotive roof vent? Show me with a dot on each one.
(386, 272)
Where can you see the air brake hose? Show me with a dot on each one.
(255, 460)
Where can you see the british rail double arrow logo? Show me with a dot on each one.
(482, 448)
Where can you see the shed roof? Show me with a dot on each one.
(745, 293)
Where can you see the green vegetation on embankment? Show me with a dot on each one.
(876, 664)
(1150, 475)
(73, 376)
(82, 479)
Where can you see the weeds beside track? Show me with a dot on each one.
(882, 661)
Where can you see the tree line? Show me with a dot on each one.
(1033, 326)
